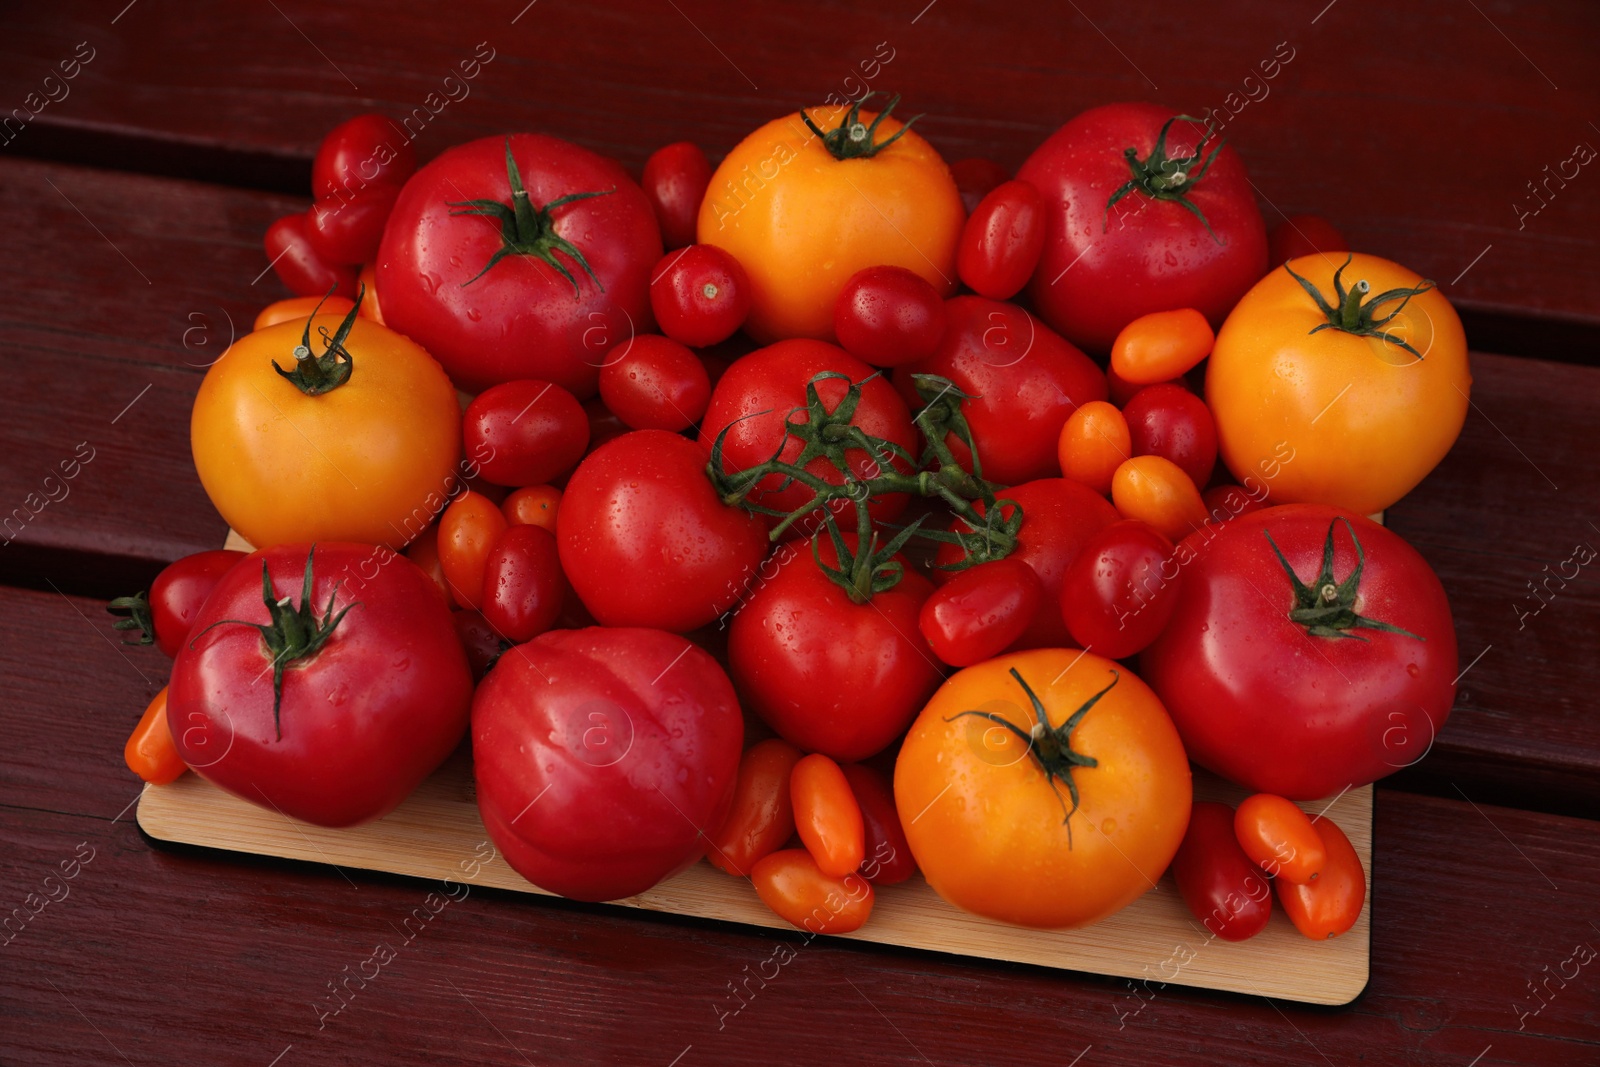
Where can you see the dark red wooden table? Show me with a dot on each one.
(135, 194)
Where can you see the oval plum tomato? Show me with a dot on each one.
(1002, 241)
(356, 442)
(889, 315)
(803, 210)
(300, 307)
(299, 266)
(523, 587)
(656, 384)
(1367, 406)
(481, 642)
(544, 291)
(794, 887)
(1119, 593)
(369, 689)
(761, 818)
(1219, 883)
(979, 613)
(1025, 381)
(1305, 235)
(166, 614)
(360, 152)
(1094, 442)
(1058, 518)
(829, 674)
(603, 757)
(348, 231)
(1161, 346)
(675, 180)
(700, 295)
(827, 816)
(1331, 903)
(1279, 838)
(888, 858)
(533, 505)
(525, 432)
(1258, 667)
(975, 178)
(424, 552)
(150, 752)
(646, 541)
(468, 530)
(1144, 244)
(1154, 490)
(1169, 421)
(1055, 832)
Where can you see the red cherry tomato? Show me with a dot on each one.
(887, 316)
(978, 614)
(976, 178)
(656, 384)
(347, 231)
(1279, 838)
(1304, 235)
(523, 587)
(525, 432)
(792, 885)
(700, 295)
(888, 857)
(1001, 242)
(468, 529)
(299, 267)
(762, 816)
(533, 505)
(1169, 421)
(1332, 902)
(482, 644)
(180, 590)
(826, 815)
(367, 150)
(1119, 593)
(675, 180)
(1223, 889)
(424, 552)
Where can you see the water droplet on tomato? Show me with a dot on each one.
(474, 314)
(1108, 827)
(1413, 670)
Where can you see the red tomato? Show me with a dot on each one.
(977, 614)
(826, 815)
(166, 614)
(887, 316)
(761, 818)
(1330, 904)
(1258, 666)
(1148, 251)
(700, 295)
(468, 529)
(1304, 235)
(792, 885)
(1002, 241)
(495, 296)
(603, 758)
(299, 267)
(481, 642)
(1223, 889)
(1224, 502)
(1171, 422)
(675, 180)
(1119, 593)
(533, 505)
(603, 424)
(1279, 838)
(888, 857)
(523, 587)
(366, 695)
(525, 432)
(976, 178)
(646, 541)
(347, 231)
(1026, 380)
(366, 150)
(656, 384)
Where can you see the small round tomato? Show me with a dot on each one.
(1161, 346)
(347, 231)
(301, 307)
(1217, 880)
(1330, 904)
(794, 887)
(1155, 490)
(700, 295)
(481, 642)
(1119, 593)
(1279, 838)
(1002, 240)
(366, 150)
(166, 614)
(976, 178)
(1304, 235)
(675, 180)
(980, 612)
(826, 815)
(299, 266)
(523, 587)
(761, 818)
(1094, 442)
(657, 384)
(887, 316)
(533, 505)
(888, 858)
(468, 529)
(1169, 421)
(525, 432)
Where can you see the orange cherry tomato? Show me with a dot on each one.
(827, 816)
(1094, 443)
(150, 751)
(424, 552)
(301, 307)
(1331, 904)
(792, 885)
(761, 818)
(1161, 346)
(533, 505)
(467, 531)
(367, 286)
(1155, 490)
(1279, 838)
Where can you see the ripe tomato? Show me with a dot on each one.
(1153, 489)
(793, 886)
(525, 432)
(1219, 883)
(646, 541)
(888, 858)
(603, 425)
(468, 530)
(1169, 421)
(367, 284)
(761, 817)
(1094, 442)
(1161, 346)
(150, 752)
(1002, 241)
(1058, 831)
(802, 212)
(980, 612)
(368, 150)
(482, 643)
(300, 307)
(1365, 418)
(424, 552)
(700, 295)
(348, 231)
(533, 505)
(300, 267)
(1279, 838)
(166, 614)
(1224, 502)
(358, 448)
(657, 384)
(1147, 244)
(604, 757)
(826, 815)
(1258, 665)
(675, 180)
(369, 689)
(1024, 378)
(1119, 593)
(976, 178)
(1305, 235)
(1331, 904)
(887, 316)
(519, 257)
(523, 587)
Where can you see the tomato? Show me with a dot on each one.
(1365, 417)
(1155, 490)
(1024, 378)
(424, 552)
(1123, 390)
(296, 308)
(150, 752)
(299, 266)
(792, 885)
(367, 284)
(525, 432)
(1057, 832)
(543, 291)
(700, 295)
(1259, 667)
(888, 858)
(533, 505)
(1094, 442)
(1305, 235)
(889, 315)
(803, 211)
(1169, 421)
(357, 442)
(1279, 838)
(761, 818)
(646, 541)
(1161, 346)
(347, 232)
(657, 384)
(523, 588)
(1331, 904)
(976, 178)
(1119, 593)
(1224, 502)
(675, 180)
(826, 815)
(366, 150)
(1219, 883)
(1149, 243)
(603, 425)
(604, 757)
(980, 612)
(468, 530)
(328, 695)
(1002, 241)
(481, 642)
(165, 615)
(1058, 519)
